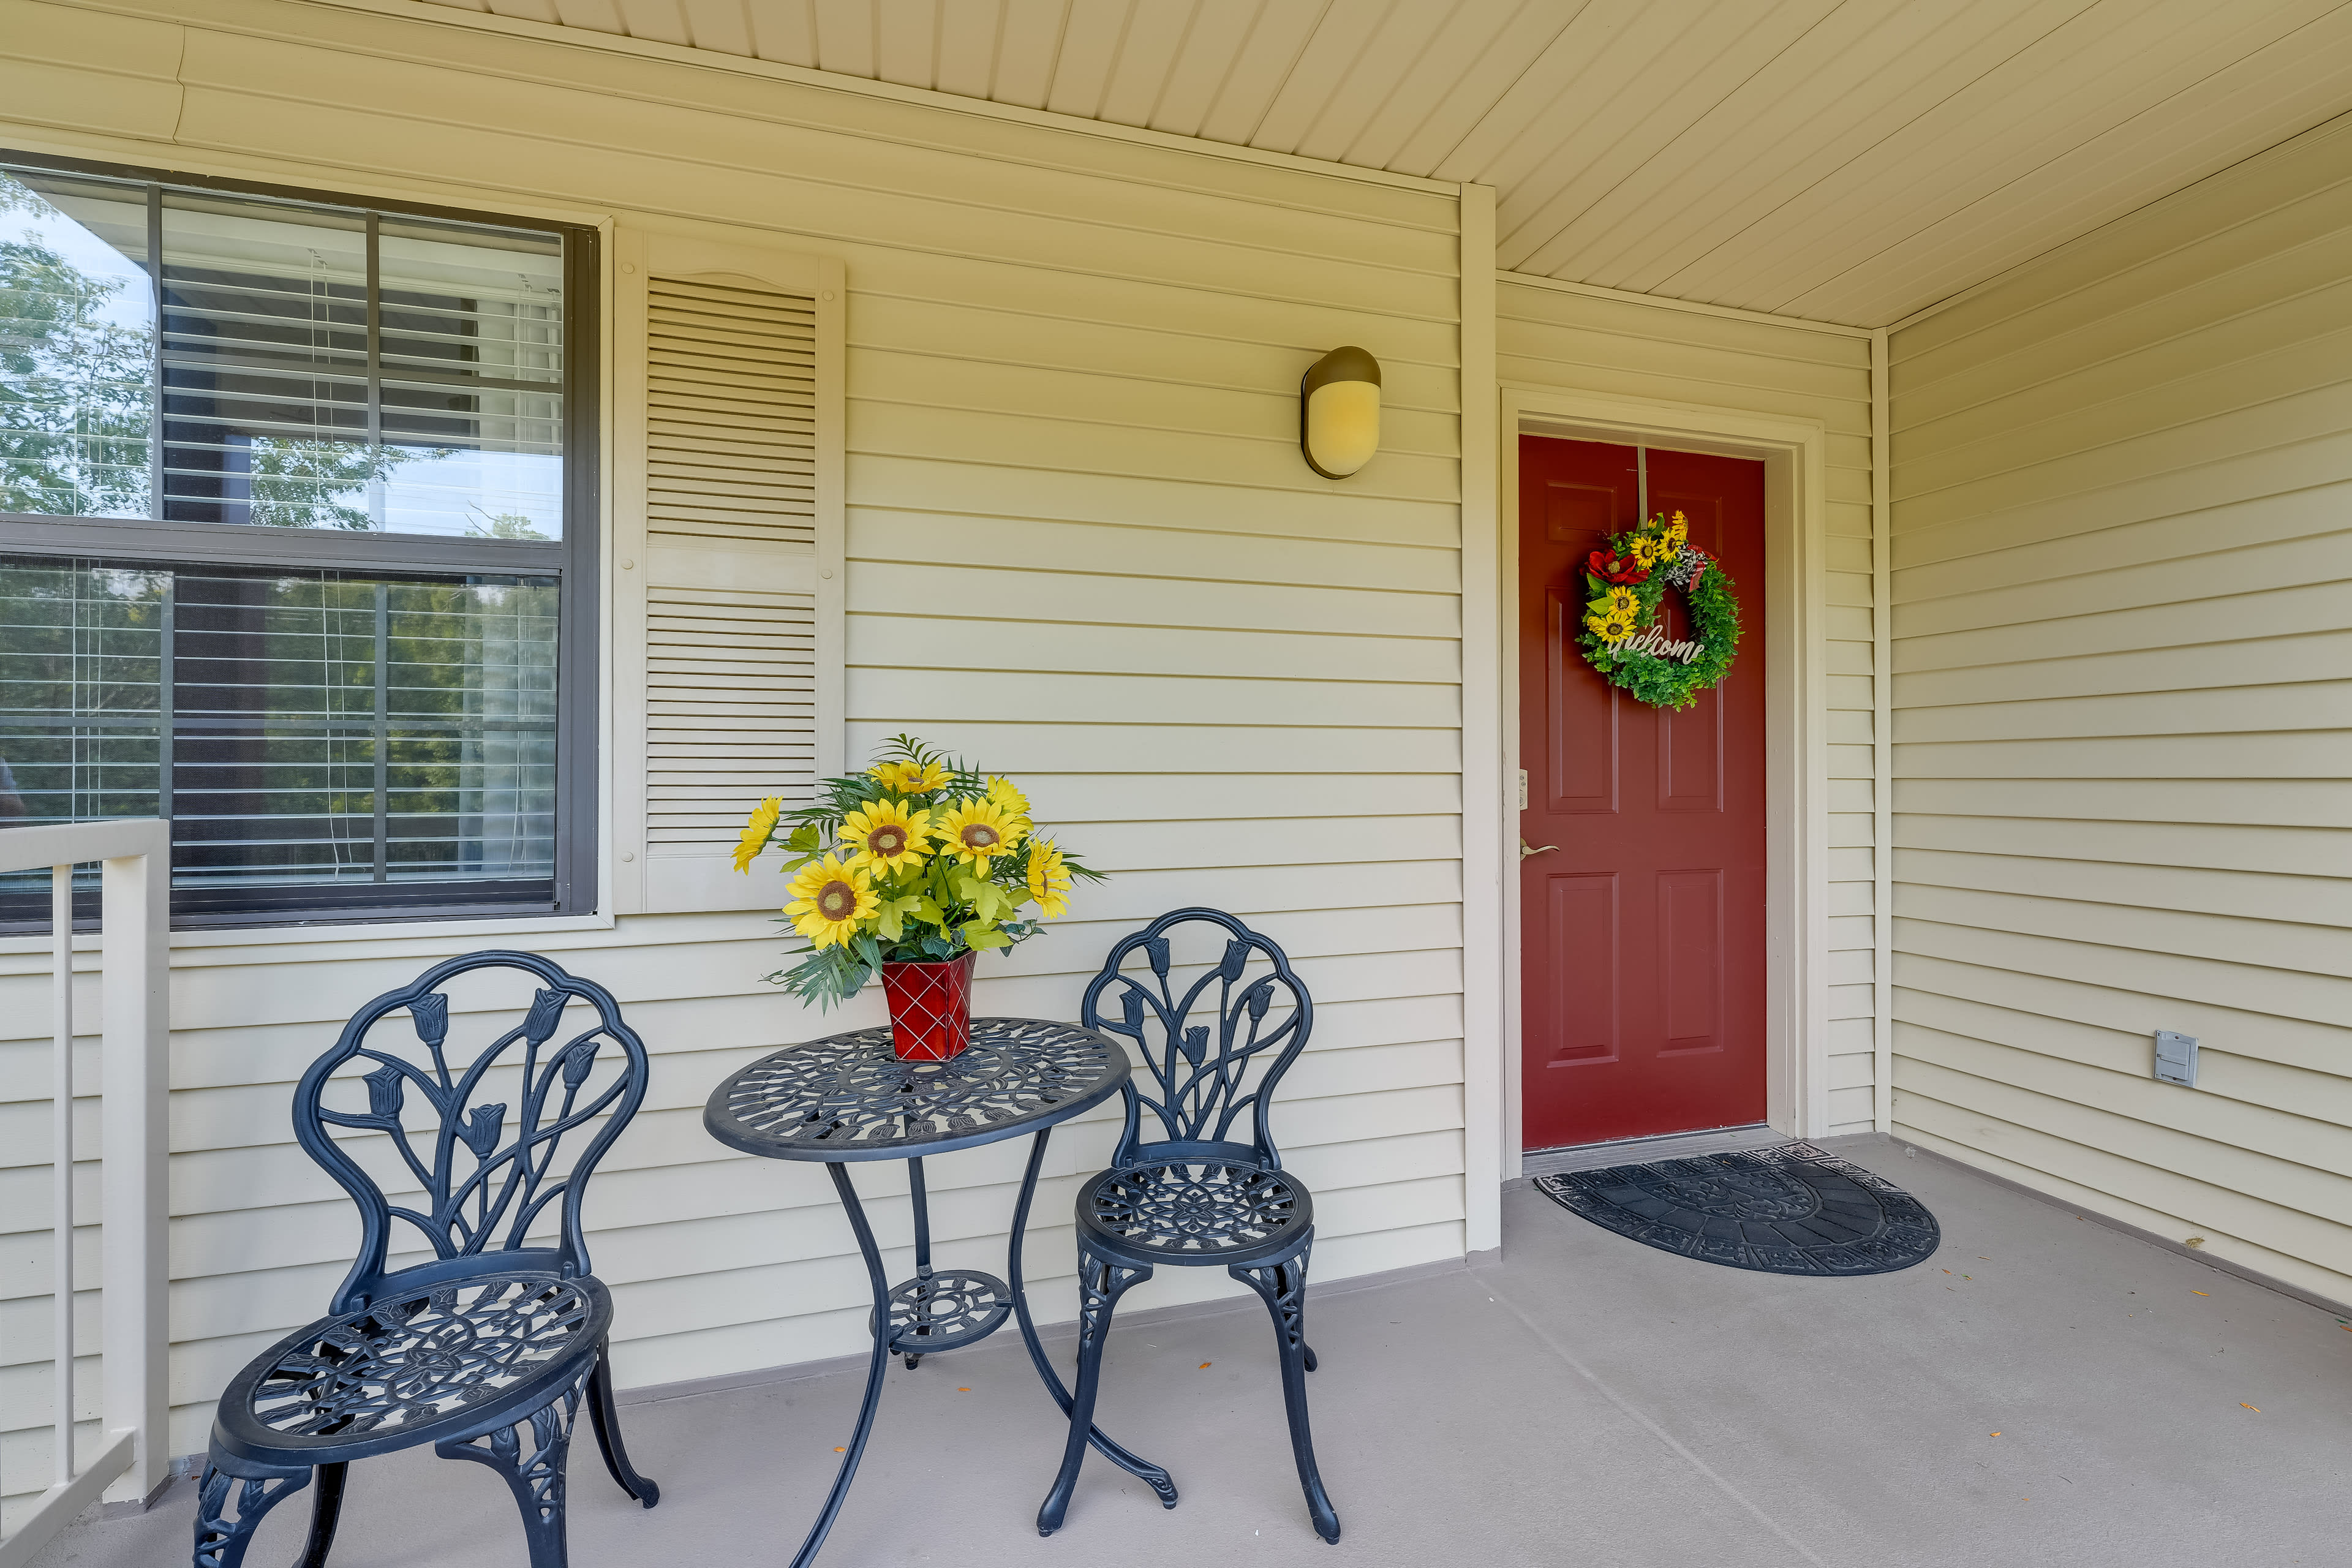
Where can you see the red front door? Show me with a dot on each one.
(1643, 932)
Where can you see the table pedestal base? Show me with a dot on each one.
(946, 1310)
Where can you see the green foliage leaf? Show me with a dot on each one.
(891, 915)
(825, 976)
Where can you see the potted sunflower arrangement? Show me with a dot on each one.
(910, 869)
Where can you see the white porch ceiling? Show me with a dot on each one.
(1850, 160)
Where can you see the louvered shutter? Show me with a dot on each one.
(728, 549)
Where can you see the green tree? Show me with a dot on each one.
(501, 525)
(75, 393)
(311, 484)
(74, 405)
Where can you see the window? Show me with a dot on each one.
(297, 513)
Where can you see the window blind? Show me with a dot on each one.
(309, 733)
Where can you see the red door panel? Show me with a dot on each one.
(1643, 932)
(1582, 908)
(1690, 959)
(1580, 718)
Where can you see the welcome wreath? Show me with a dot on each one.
(1621, 639)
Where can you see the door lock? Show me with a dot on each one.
(1525, 849)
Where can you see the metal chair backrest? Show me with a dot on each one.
(1207, 1075)
(486, 1178)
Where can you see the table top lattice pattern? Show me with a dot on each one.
(847, 1097)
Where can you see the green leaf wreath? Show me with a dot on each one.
(1627, 581)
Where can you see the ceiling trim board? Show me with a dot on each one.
(1695, 307)
(564, 37)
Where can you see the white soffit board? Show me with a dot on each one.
(1850, 160)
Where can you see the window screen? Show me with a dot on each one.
(324, 606)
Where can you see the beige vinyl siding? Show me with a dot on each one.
(2123, 717)
(1082, 545)
(1551, 337)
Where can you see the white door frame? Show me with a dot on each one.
(1794, 452)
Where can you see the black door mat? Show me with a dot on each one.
(1796, 1209)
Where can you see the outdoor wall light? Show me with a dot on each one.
(1339, 412)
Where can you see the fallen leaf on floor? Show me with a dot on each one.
(963, 1390)
(2255, 1408)
(836, 1450)
(1205, 1367)
(1996, 1434)
(2200, 1292)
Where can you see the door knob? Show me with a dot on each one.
(1525, 849)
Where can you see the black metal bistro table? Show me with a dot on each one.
(846, 1098)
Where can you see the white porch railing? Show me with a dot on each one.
(134, 953)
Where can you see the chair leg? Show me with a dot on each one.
(221, 1541)
(1100, 1285)
(536, 1478)
(605, 1417)
(326, 1508)
(1284, 1288)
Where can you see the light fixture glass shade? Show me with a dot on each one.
(1339, 412)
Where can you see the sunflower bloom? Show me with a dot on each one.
(1649, 549)
(1049, 877)
(886, 835)
(1678, 535)
(977, 831)
(1015, 805)
(831, 900)
(1612, 628)
(1001, 791)
(910, 778)
(1616, 605)
(756, 832)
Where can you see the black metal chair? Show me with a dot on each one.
(488, 1350)
(1195, 1197)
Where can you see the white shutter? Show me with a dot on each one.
(728, 371)
(730, 711)
(731, 415)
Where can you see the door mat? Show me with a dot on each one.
(1795, 1209)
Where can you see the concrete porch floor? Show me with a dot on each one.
(2044, 1390)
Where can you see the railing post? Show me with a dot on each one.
(135, 947)
(133, 1459)
(61, 1173)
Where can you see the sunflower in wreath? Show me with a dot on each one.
(1613, 615)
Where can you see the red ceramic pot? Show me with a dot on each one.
(931, 1008)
